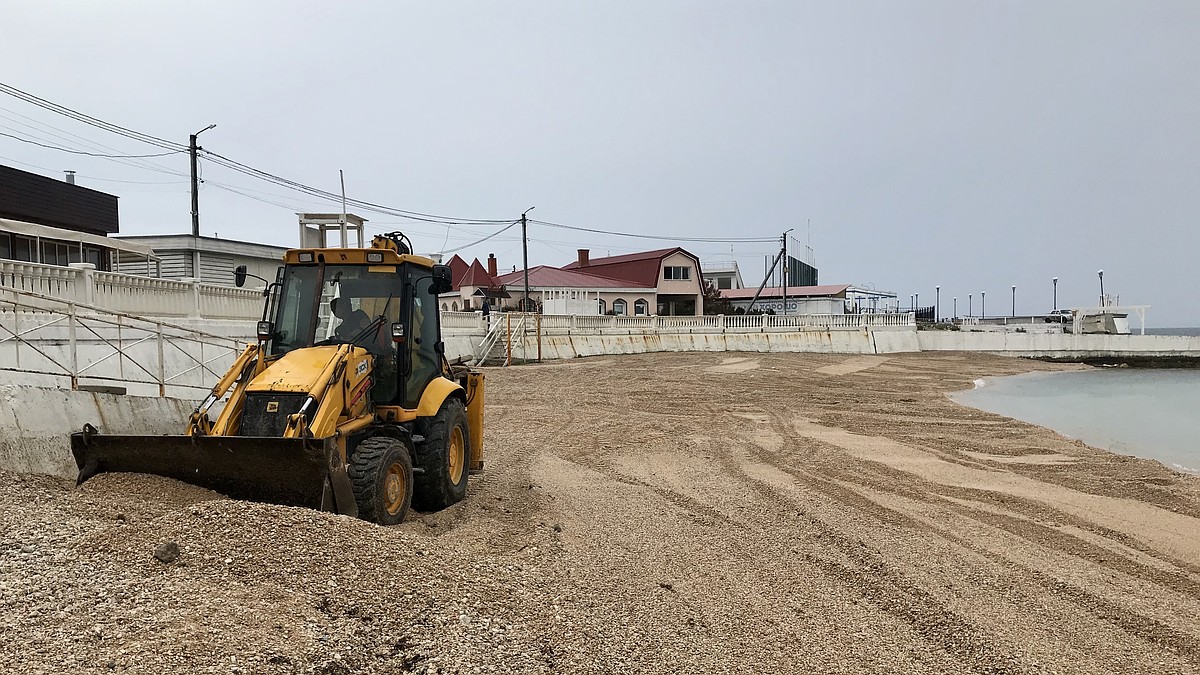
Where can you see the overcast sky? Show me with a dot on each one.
(972, 145)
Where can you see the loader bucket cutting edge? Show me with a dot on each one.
(289, 471)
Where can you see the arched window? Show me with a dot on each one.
(619, 307)
(603, 307)
(454, 306)
(641, 308)
(445, 307)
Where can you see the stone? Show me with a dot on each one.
(167, 552)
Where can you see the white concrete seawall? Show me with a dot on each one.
(36, 423)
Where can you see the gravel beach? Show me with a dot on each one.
(660, 513)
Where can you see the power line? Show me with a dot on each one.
(89, 154)
(88, 119)
(710, 240)
(501, 230)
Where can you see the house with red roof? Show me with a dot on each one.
(563, 291)
(673, 273)
(472, 285)
(664, 282)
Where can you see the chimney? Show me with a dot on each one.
(70, 177)
(583, 257)
(492, 264)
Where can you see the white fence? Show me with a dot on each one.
(49, 341)
(130, 294)
(475, 323)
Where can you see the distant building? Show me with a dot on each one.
(54, 222)
(800, 299)
(723, 275)
(209, 259)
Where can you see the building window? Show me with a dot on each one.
(603, 307)
(619, 307)
(24, 249)
(445, 307)
(5, 246)
(54, 253)
(454, 306)
(641, 308)
(724, 283)
(677, 273)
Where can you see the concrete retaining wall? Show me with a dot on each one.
(1059, 344)
(851, 341)
(36, 423)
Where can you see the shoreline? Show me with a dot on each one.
(1112, 443)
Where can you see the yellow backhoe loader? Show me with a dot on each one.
(346, 403)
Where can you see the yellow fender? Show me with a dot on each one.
(436, 393)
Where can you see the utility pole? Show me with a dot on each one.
(192, 148)
(525, 257)
(783, 249)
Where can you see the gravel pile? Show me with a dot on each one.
(659, 514)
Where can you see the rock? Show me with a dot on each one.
(167, 552)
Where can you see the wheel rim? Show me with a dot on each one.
(457, 454)
(394, 488)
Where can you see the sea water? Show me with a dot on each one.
(1152, 413)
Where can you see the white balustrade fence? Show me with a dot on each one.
(131, 294)
(472, 323)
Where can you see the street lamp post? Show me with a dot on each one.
(954, 317)
(1055, 280)
(1101, 274)
(192, 150)
(983, 304)
(937, 303)
(970, 304)
(1014, 309)
(916, 302)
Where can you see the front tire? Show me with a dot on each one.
(381, 473)
(444, 456)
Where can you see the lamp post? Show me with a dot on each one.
(1101, 275)
(983, 304)
(970, 304)
(1014, 311)
(954, 317)
(916, 302)
(937, 303)
(1055, 280)
(192, 148)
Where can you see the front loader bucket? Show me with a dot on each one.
(291, 471)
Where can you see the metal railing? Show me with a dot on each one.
(70, 342)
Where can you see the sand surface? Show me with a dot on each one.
(663, 513)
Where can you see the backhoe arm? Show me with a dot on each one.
(199, 424)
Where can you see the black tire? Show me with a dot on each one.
(444, 481)
(381, 473)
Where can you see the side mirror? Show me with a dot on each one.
(239, 276)
(442, 283)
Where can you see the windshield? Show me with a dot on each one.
(337, 303)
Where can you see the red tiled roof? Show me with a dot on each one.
(476, 276)
(458, 268)
(834, 290)
(639, 269)
(544, 276)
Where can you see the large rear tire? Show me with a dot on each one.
(381, 473)
(444, 455)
